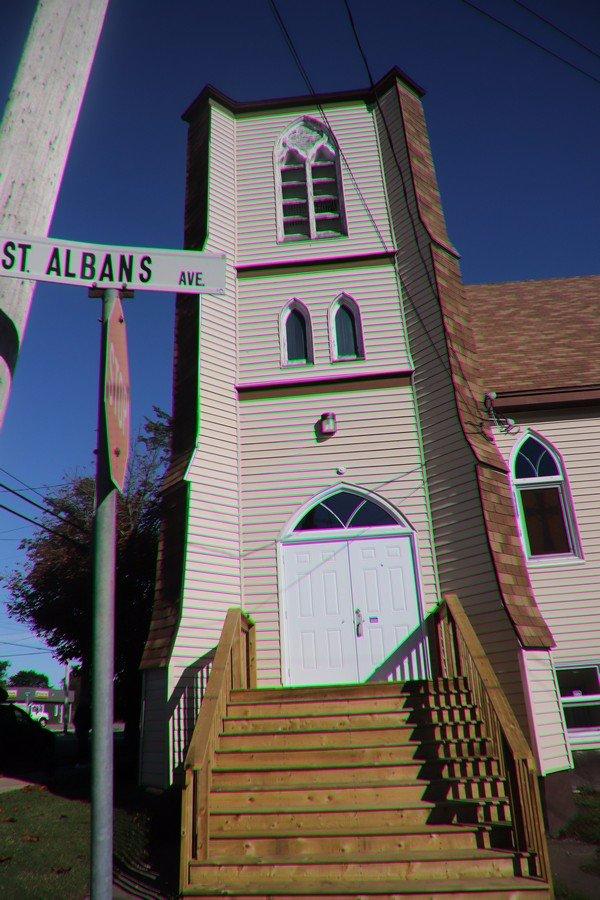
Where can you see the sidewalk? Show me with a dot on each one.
(12, 784)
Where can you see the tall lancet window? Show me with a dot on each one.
(296, 335)
(345, 329)
(308, 175)
(545, 508)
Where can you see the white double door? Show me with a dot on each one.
(348, 605)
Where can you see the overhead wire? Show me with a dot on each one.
(557, 28)
(44, 509)
(529, 40)
(432, 287)
(65, 537)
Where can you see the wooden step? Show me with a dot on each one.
(390, 889)
(402, 867)
(418, 812)
(253, 773)
(377, 843)
(340, 705)
(302, 794)
(328, 721)
(370, 689)
(313, 757)
(349, 737)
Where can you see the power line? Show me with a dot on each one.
(65, 537)
(24, 646)
(44, 509)
(529, 40)
(21, 482)
(557, 28)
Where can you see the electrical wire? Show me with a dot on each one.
(64, 537)
(44, 509)
(410, 295)
(529, 40)
(557, 28)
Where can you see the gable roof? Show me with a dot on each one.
(538, 338)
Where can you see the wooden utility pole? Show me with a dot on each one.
(35, 137)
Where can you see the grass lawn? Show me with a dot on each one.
(44, 845)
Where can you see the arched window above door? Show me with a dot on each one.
(346, 509)
(543, 500)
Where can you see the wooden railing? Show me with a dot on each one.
(460, 653)
(234, 666)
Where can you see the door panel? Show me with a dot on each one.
(384, 589)
(320, 646)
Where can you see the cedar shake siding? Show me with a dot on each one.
(480, 569)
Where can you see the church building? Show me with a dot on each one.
(357, 433)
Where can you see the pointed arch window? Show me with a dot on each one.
(308, 175)
(544, 503)
(296, 335)
(345, 329)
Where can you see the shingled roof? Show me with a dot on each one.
(537, 337)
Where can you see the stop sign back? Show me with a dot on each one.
(117, 396)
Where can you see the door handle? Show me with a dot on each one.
(359, 619)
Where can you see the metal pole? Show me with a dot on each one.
(103, 646)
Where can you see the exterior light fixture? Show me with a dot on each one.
(327, 424)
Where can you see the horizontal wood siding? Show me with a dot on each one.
(257, 135)
(567, 592)
(547, 723)
(261, 301)
(462, 550)
(212, 566)
(283, 467)
(154, 737)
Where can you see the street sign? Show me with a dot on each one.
(101, 266)
(117, 395)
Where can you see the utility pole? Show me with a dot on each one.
(35, 138)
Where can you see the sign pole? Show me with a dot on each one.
(113, 440)
(103, 643)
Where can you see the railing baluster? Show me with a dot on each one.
(230, 668)
(461, 653)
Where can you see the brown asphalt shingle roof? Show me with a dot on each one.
(537, 335)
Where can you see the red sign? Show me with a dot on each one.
(117, 396)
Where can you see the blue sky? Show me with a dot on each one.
(515, 136)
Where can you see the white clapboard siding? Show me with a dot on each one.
(463, 557)
(567, 592)
(262, 300)
(547, 722)
(377, 445)
(212, 565)
(257, 135)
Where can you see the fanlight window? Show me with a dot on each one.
(344, 322)
(296, 335)
(547, 520)
(346, 510)
(309, 183)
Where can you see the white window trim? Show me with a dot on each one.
(291, 305)
(347, 300)
(575, 555)
(279, 153)
(581, 737)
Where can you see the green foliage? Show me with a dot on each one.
(29, 678)
(52, 593)
(4, 664)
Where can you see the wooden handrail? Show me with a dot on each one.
(234, 666)
(460, 653)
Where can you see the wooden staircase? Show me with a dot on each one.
(377, 790)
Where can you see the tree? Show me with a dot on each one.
(52, 593)
(29, 678)
(4, 664)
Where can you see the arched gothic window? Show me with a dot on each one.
(345, 509)
(296, 335)
(310, 202)
(545, 509)
(345, 329)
